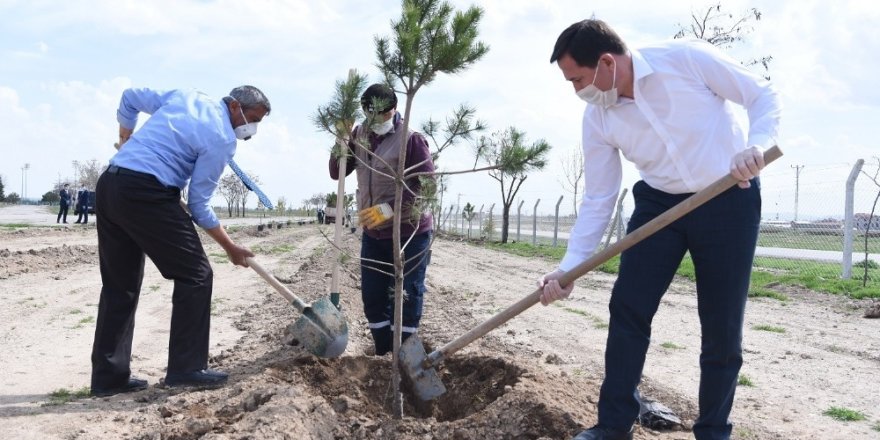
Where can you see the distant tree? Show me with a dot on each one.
(870, 219)
(51, 197)
(13, 198)
(723, 29)
(515, 160)
(89, 172)
(573, 170)
(2, 195)
(468, 214)
(461, 125)
(281, 205)
(228, 188)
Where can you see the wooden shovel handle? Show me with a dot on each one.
(671, 215)
(281, 288)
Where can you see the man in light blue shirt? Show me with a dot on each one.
(188, 139)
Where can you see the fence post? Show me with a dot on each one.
(518, 217)
(556, 222)
(616, 222)
(535, 224)
(480, 222)
(848, 220)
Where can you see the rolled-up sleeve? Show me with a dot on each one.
(135, 101)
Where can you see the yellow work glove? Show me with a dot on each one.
(375, 215)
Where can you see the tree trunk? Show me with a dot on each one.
(505, 222)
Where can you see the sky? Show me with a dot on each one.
(63, 66)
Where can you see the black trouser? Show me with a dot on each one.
(62, 212)
(141, 216)
(83, 214)
(720, 236)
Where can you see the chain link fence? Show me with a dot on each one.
(819, 225)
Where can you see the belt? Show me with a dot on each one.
(113, 169)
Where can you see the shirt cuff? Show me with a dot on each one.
(762, 141)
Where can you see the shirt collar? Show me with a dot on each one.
(641, 68)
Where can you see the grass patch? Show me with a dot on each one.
(876, 426)
(768, 328)
(63, 395)
(84, 321)
(215, 303)
(154, 287)
(811, 275)
(74, 312)
(598, 323)
(671, 346)
(760, 292)
(745, 381)
(844, 414)
(15, 225)
(279, 249)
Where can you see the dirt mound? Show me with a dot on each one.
(59, 257)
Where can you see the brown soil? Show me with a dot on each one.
(536, 377)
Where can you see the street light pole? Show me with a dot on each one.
(27, 166)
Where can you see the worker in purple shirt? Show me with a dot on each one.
(187, 141)
(373, 150)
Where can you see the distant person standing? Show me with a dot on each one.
(63, 204)
(188, 139)
(82, 205)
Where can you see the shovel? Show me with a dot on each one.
(322, 329)
(419, 366)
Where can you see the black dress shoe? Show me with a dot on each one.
(133, 385)
(201, 378)
(597, 433)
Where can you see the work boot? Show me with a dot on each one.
(597, 433)
(382, 339)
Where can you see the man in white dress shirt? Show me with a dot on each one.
(667, 109)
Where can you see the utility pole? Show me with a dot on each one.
(797, 179)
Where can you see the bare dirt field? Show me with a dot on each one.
(537, 377)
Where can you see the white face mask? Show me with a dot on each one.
(384, 127)
(246, 131)
(592, 95)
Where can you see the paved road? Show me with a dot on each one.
(41, 215)
(796, 254)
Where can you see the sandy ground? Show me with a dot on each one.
(536, 377)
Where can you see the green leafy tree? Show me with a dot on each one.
(13, 198)
(462, 125)
(2, 195)
(514, 160)
(429, 38)
(51, 197)
(468, 214)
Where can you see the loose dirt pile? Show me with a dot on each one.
(536, 377)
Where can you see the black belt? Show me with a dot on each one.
(113, 169)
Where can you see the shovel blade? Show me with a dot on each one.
(425, 382)
(321, 330)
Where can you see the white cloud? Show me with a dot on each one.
(68, 64)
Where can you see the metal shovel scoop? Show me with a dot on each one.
(419, 366)
(322, 329)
